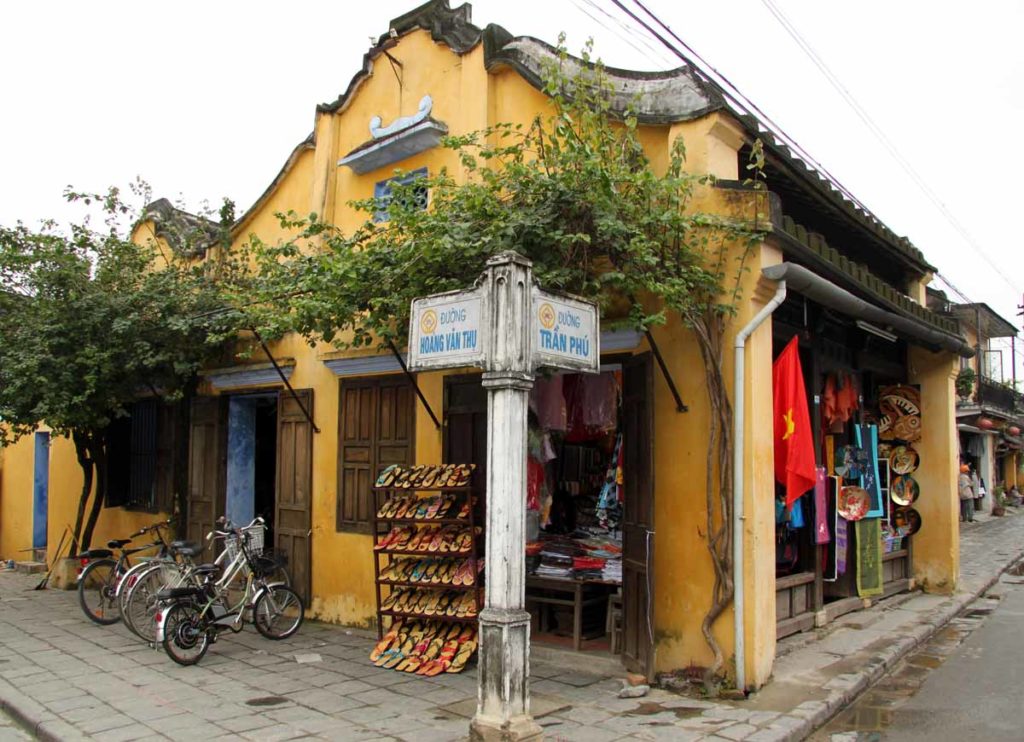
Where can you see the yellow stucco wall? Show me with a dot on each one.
(16, 473)
(16, 482)
(937, 544)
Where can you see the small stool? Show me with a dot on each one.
(613, 625)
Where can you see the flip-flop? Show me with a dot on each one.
(430, 479)
(386, 477)
(466, 650)
(443, 662)
(386, 641)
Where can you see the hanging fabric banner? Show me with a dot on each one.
(869, 557)
(821, 534)
(867, 439)
(794, 443)
(841, 539)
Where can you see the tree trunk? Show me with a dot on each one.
(182, 431)
(98, 452)
(81, 441)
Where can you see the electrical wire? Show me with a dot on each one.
(885, 141)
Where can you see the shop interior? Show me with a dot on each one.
(849, 537)
(575, 498)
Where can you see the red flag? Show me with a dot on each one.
(794, 443)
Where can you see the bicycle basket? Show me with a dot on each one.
(267, 562)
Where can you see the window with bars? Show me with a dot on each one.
(405, 189)
(140, 457)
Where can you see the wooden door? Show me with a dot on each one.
(377, 428)
(293, 502)
(207, 466)
(638, 516)
(465, 423)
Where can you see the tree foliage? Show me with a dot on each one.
(90, 320)
(574, 191)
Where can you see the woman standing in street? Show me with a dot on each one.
(966, 488)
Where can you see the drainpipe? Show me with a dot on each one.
(739, 621)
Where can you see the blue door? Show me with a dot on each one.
(40, 490)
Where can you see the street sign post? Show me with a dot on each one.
(509, 328)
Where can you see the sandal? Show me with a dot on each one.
(386, 641)
(466, 650)
(430, 478)
(443, 662)
(386, 477)
(422, 505)
(434, 507)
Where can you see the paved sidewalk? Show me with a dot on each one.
(66, 678)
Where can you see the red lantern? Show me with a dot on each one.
(985, 424)
(1013, 430)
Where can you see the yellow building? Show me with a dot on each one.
(855, 299)
(989, 407)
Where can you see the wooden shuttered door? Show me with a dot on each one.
(293, 506)
(638, 515)
(207, 461)
(377, 429)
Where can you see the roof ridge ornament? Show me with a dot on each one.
(403, 122)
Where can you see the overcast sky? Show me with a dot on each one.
(207, 99)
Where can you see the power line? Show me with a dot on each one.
(737, 99)
(880, 135)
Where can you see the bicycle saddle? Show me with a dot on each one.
(96, 554)
(118, 542)
(187, 549)
(206, 569)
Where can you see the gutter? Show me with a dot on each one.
(826, 293)
(739, 619)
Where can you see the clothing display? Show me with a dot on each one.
(548, 402)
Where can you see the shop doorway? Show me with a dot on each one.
(589, 569)
(252, 455)
(251, 459)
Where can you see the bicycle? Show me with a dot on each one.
(192, 617)
(101, 574)
(139, 588)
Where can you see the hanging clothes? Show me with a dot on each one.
(548, 401)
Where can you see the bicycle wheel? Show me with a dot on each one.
(185, 637)
(124, 589)
(140, 607)
(96, 592)
(278, 612)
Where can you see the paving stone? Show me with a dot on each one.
(736, 731)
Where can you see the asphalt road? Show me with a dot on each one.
(951, 689)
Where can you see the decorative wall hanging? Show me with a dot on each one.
(904, 460)
(904, 490)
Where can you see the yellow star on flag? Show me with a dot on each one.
(790, 424)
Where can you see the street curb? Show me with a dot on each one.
(29, 715)
(818, 713)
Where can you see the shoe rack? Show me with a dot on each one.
(428, 544)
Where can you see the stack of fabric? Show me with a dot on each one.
(587, 568)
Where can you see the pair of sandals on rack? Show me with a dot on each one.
(432, 571)
(418, 508)
(426, 476)
(425, 648)
(451, 603)
(451, 539)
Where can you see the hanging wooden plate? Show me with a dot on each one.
(904, 490)
(854, 503)
(904, 460)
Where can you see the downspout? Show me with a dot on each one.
(739, 621)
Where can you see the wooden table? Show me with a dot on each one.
(577, 599)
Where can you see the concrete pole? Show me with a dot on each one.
(503, 694)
